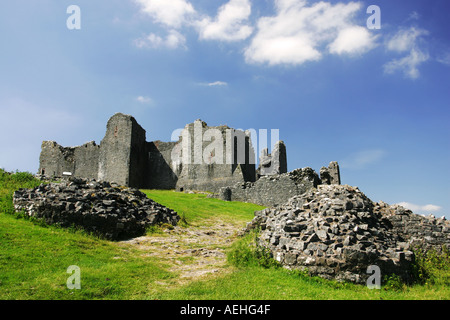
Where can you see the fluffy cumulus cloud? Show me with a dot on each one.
(352, 40)
(230, 24)
(300, 32)
(407, 41)
(408, 64)
(172, 13)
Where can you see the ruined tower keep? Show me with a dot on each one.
(273, 163)
(119, 157)
(204, 158)
(207, 158)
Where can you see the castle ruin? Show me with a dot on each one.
(311, 220)
(203, 159)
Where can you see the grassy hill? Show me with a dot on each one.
(203, 258)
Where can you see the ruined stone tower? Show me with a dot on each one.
(330, 175)
(205, 158)
(275, 162)
(213, 157)
(120, 157)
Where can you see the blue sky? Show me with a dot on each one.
(375, 100)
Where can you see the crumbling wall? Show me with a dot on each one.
(273, 163)
(272, 190)
(337, 232)
(416, 231)
(56, 160)
(330, 175)
(139, 175)
(86, 160)
(161, 173)
(209, 162)
(205, 158)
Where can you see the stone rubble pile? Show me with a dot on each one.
(336, 232)
(100, 207)
(271, 190)
(416, 231)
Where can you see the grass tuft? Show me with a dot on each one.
(247, 252)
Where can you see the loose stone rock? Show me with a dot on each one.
(113, 212)
(342, 232)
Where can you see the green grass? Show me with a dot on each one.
(255, 278)
(10, 183)
(34, 259)
(196, 208)
(256, 283)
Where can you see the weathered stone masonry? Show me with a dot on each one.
(202, 159)
(337, 232)
(125, 157)
(277, 189)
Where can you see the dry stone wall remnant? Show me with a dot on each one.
(106, 209)
(337, 232)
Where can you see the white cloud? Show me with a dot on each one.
(407, 41)
(414, 16)
(363, 158)
(299, 33)
(172, 13)
(419, 208)
(173, 40)
(230, 23)
(352, 40)
(213, 84)
(144, 100)
(217, 83)
(444, 58)
(409, 64)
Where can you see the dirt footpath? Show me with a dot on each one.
(193, 252)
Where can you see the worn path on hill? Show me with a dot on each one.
(193, 252)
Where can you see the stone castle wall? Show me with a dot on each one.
(277, 189)
(210, 157)
(56, 160)
(161, 174)
(121, 156)
(125, 157)
(273, 163)
(204, 158)
(272, 190)
(115, 151)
